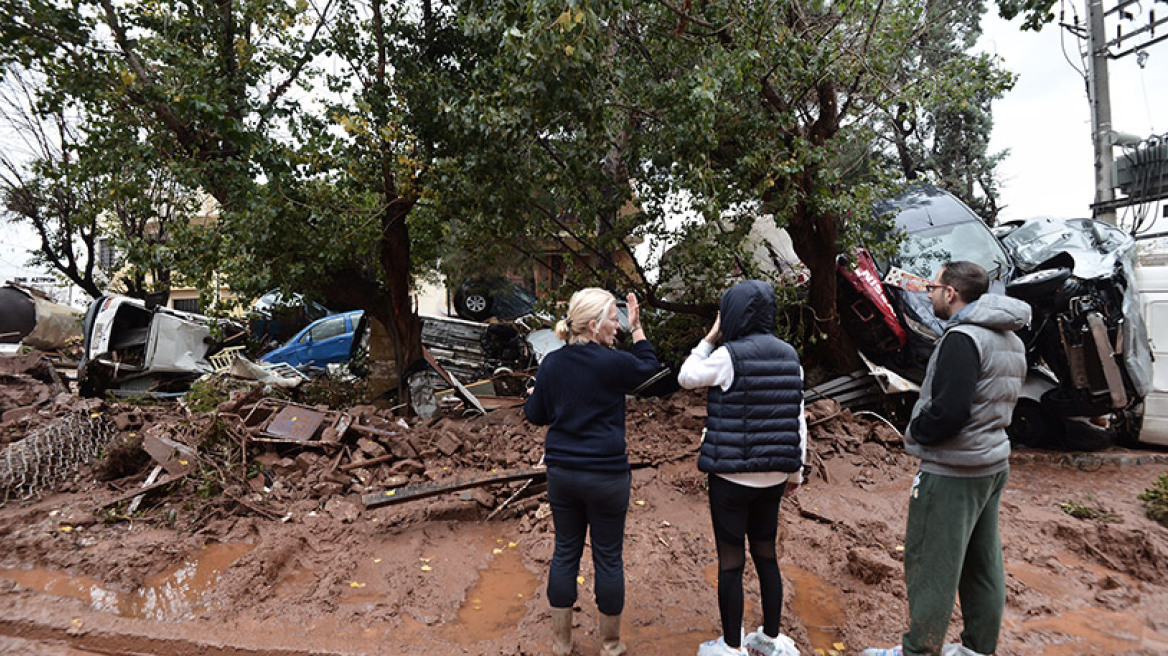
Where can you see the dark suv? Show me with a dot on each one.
(492, 296)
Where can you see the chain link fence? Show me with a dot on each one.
(52, 454)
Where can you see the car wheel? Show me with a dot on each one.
(1082, 435)
(1032, 427)
(1127, 424)
(473, 304)
(1037, 284)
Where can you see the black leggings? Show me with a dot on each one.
(738, 512)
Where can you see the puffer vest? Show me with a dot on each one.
(754, 425)
(982, 447)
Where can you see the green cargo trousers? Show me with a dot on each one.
(952, 547)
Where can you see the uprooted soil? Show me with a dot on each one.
(290, 560)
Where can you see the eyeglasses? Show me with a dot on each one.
(931, 286)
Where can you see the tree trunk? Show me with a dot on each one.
(815, 238)
(402, 322)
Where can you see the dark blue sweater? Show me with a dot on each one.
(580, 395)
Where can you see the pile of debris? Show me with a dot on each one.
(263, 449)
(28, 383)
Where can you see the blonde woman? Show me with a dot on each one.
(580, 395)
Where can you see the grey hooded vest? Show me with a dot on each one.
(982, 447)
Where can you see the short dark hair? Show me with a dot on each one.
(968, 278)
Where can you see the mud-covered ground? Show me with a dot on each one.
(293, 562)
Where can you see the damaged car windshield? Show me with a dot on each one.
(924, 251)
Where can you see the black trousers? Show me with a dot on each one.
(586, 502)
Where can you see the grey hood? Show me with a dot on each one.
(996, 312)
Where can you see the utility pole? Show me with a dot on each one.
(1099, 93)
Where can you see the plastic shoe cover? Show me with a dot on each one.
(718, 648)
(760, 644)
(874, 651)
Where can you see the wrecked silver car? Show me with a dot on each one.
(133, 349)
(1087, 342)
(1089, 360)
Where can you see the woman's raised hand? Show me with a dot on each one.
(634, 312)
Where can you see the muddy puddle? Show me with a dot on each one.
(173, 594)
(819, 607)
(815, 604)
(498, 600)
(1095, 631)
(1084, 631)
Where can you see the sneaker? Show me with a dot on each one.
(873, 651)
(718, 648)
(761, 644)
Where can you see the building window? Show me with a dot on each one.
(187, 305)
(549, 274)
(105, 254)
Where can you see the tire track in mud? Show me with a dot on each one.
(90, 632)
(116, 643)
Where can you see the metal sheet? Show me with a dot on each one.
(177, 345)
(295, 423)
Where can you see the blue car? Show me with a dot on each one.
(326, 340)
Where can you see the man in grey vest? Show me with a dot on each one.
(958, 430)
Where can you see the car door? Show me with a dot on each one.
(330, 340)
(295, 352)
(1152, 282)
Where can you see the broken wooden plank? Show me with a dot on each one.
(167, 480)
(500, 402)
(175, 457)
(521, 490)
(828, 388)
(653, 379)
(357, 464)
(136, 501)
(434, 488)
(865, 395)
(463, 392)
(370, 430)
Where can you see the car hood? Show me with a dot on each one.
(1095, 247)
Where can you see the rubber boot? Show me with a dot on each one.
(561, 631)
(610, 644)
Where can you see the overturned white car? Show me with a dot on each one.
(132, 349)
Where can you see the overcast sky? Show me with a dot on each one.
(1045, 122)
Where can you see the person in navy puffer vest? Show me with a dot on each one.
(753, 450)
(580, 395)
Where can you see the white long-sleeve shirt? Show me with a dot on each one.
(707, 366)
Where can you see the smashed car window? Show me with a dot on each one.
(327, 329)
(924, 251)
